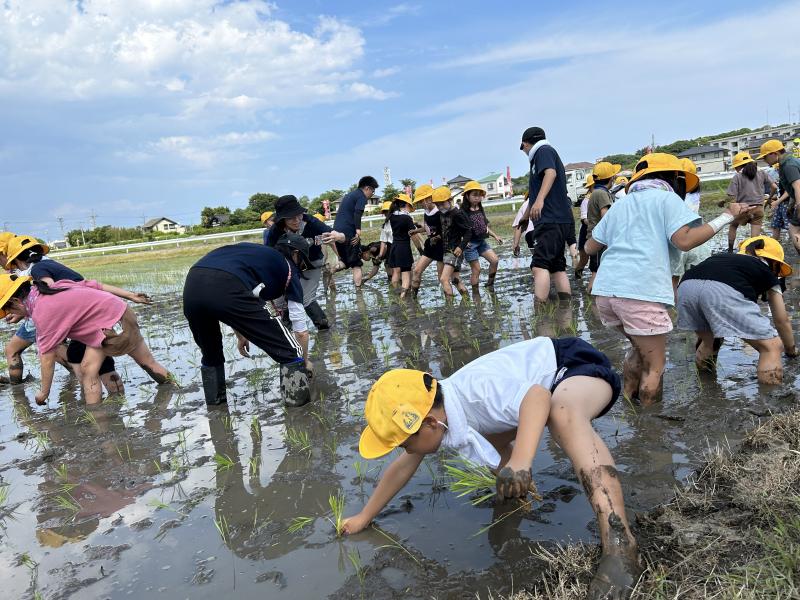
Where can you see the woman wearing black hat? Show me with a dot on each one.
(291, 217)
(236, 285)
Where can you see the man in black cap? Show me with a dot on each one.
(291, 217)
(550, 209)
(235, 285)
(348, 221)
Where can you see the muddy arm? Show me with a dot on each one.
(782, 322)
(48, 365)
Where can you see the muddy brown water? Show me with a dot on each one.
(154, 496)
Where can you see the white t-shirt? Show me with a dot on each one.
(518, 218)
(386, 233)
(585, 207)
(484, 396)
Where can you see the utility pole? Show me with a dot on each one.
(93, 219)
(61, 225)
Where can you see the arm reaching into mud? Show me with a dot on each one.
(514, 479)
(782, 322)
(48, 365)
(119, 292)
(392, 481)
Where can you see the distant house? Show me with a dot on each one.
(219, 220)
(495, 185)
(577, 173)
(753, 146)
(708, 159)
(163, 225)
(58, 244)
(457, 182)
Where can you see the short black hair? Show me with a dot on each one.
(602, 182)
(438, 398)
(368, 181)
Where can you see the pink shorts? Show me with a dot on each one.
(636, 317)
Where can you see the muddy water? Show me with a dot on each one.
(154, 496)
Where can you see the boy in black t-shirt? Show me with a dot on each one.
(719, 298)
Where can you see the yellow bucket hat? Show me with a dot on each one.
(319, 216)
(9, 284)
(422, 192)
(741, 158)
(395, 407)
(688, 166)
(621, 180)
(473, 186)
(441, 194)
(769, 147)
(405, 198)
(772, 250)
(5, 237)
(265, 216)
(589, 182)
(18, 244)
(660, 162)
(605, 170)
(386, 206)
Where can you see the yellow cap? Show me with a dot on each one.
(441, 194)
(5, 237)
(422, 192)
(660, 162)
(769, 147)
(741, 158)
(689, 166)
(621, 180)
(404, 198)
(395, 407)
(589, 182)
(9, 284)
(605, 170)
(473, 186)
(772, 250)
(265, 216)
(386, 206)
(319, 216)
(18, 244)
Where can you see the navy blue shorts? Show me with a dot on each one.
(575, 356)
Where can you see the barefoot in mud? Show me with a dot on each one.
(615, 577)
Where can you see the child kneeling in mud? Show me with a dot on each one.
(493, 412)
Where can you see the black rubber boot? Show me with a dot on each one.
(214, 385)
(318, 316)
(295, 388)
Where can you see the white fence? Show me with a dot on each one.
(368, 222)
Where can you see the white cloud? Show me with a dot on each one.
(387, 72)
(398, 10)
(234, 55)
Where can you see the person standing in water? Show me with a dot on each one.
(747, 187)
(472, 205)
(348, 221)
(403, 228)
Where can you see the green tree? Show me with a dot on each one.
(409, 183)
(262, 202)
(389, 193)
(331, 196)
(242, 216)
(208, 213)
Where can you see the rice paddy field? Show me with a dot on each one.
(154, 495)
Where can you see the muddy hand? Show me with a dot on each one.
(513, 484)
(354, 524)
(614, 579)
(140, 298)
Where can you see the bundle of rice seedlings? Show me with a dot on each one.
(468, 478)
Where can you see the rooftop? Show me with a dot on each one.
(701, 150)
(578, 165)
(154, 222)
(490, 178)
(458, 179)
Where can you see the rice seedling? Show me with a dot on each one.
(337, 503)
(354, 556)
(255, 428)
(253, 465)
(524, 504)
(41, 439)
(299, 523)
(476, 345)
(468, 478)
(298, 440)
(227, 422)
(5, 491)
(332, 444)
(360, 473)
(394, 544)
(221, 523)
(223, 461)
(158, 504)
(66, 502)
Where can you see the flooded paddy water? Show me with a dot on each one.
(153, 495)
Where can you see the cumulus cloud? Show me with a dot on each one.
(231, 54)
(198, 150)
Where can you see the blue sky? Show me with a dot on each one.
(160, 107)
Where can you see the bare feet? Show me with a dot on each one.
(615, 577)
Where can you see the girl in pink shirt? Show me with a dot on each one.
(84, 311)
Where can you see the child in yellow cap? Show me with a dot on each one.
(719, 298)
(493, 411)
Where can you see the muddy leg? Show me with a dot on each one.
(475, 272)
(113, 383)
(444, 280)
(541, 284)
(705, 356)
(732, 236)
(770, 360)
(90, 375)
(14, 349)
(794, 236)
(144, 358)
(574, 403)
(405, 282)
(631, 372)
(652, 350)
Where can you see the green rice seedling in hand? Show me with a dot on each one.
(468, 478)
(299, 523)
(337, 503)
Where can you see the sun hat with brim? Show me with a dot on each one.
(473, 186)
(404, 198)
(18, 244)
(605, 170)
(9, 284)
(769, 147)
(422, 192)
(5, 237)
(741, 159)
(265, 216)
(621, 180)
(386, 206)
(772, 250)
(441, 194)
(589, 182)
(287, 207)
(395, 408)
(319, 216)
(660, 162)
